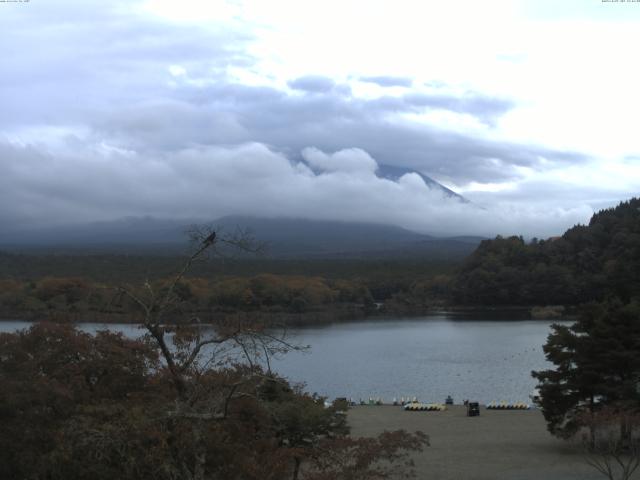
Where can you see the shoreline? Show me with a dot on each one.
(316, 318)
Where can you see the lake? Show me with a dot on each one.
(428, 357)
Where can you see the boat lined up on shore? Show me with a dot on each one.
(425, 407)
(413, 404)
(508, 406)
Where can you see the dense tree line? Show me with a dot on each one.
(589, 262)
(383, 276)
(76, 286)
(69, 298)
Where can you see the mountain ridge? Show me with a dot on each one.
(286, 237)
(391, 172)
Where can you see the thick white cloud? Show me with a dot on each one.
(348, 160)
(100, 183)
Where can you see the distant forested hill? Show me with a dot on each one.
(284, 238)
(587, 263)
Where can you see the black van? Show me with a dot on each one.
(473, 409)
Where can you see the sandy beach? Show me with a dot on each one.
(497, 445)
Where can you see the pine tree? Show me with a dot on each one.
(597, 363)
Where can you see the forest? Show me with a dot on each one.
(83, 287)
(587, 263)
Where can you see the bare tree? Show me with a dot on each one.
(611, 442)
(190, 349)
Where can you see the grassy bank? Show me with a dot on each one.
(497, 445)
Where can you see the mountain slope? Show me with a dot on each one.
(285, 237)
(394, 173)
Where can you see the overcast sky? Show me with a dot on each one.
(287, 108)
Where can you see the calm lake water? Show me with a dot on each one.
(428, 357)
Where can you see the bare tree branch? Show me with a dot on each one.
(202, 343)
(612, 444)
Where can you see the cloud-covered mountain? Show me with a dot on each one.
(112, 110)
(395, 173)
(83, 185)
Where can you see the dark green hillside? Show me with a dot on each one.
(587, 263)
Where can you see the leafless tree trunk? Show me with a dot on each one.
(183, 357)
(612, 445)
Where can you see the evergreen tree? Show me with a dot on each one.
(588, 262)
(597, 363)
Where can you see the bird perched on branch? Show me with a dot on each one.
(210, 239)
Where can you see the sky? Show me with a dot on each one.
(201, 109)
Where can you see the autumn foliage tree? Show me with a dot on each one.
(183, 401)
(51, 372)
